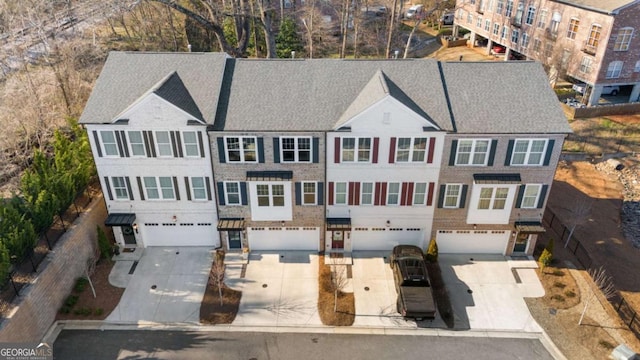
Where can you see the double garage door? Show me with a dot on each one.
(286, 238)
(384, 238)
(472, 242)
(176, 234)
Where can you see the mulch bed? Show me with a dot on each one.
(440, 294)
(219, 307)
(345, 313)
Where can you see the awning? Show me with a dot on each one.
(338, 223)
(269, 175)
(532, 227)
(120, 219)
(230, 224)
(497, 178)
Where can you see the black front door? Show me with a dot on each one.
(129, 236)
(235, 240)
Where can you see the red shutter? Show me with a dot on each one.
(430, 194)
(356, 194)
(336, 151)
(383, 194)
(376, 194)
(376, 142)
(410, 194)
(330, 199)
(403, 194)
(432, 146)
(352, 187)
(392, 151)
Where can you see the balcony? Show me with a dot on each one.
(551, 34)
(589, 48)
(480, 8)
(516, 22)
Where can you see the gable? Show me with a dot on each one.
(153, 111)
(388, 115)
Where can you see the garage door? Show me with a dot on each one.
(472, 242)
(288, 238)
(384, 238)
(173, 234)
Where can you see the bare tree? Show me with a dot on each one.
(604, 283)
(90, 268)
(339, 279)
(579, 215)
(216, 275)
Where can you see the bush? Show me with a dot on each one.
(569, 294)
(103, 244)
(81, 283)
(432, 251)
(65, 310)
(98, 312)
(83, 311)
(547, 255)
(560, 285)
(557, 297)
(71, 301)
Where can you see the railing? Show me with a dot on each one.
(589, 48)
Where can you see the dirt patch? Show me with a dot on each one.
(560, 289)
(341, 314)
(220, 304)
(604, 135)
(85, 306)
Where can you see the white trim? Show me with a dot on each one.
(458, 196)
(356, 149)
(227, 192)
(204, 188)
(528, 153)
(346, 193)
(184, 144)
(303, 193)
(158, 187)
(103, 143)
(473, 152)
(362, 193)
(115, 188)
(168, 143)
(130, 143)
(412, 141)
(536, 199)
(240, 149)
(296, 149)
(424, 198)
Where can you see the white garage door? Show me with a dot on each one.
(384, 238)
(472, 242)
(202, 234)
(289, 238)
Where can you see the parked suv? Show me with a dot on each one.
(415, 299)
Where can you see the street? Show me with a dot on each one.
(158, 344)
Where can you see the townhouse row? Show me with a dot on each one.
(325, 155)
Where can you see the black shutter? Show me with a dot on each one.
(315, 147)
(276, 150)
(260, 150)
(243, 193)
(221, 153)
(543, 194)
(140, 187)
(320, 193)
(208, 185)
(179, 144)
(492, 152)
(520, 195)
(147, 143)
(124, 143)
(129, 190)
(452, 155)
(186, 185)
(463, 196)
(221, 196)
(443, 188)
(175, 187)
(98, 148)
(200, 144)
(172, 135)
(106, 183)
(507, 159)
(298, 193)
(547, 156)
(119, 142)
(152, 144)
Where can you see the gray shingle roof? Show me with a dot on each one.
(126, 76)
(502, 97)
(174, 91)
(607, 6)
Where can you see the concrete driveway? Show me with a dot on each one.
(278, 289)
(166, 285)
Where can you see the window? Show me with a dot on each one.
(525, 40)
(531, 14)
(295, 149)
(419, 193)
(594, 36)
(530, 196)
(136, 143)
(366, 193)
(536, 44)
(515, 34)
(493, 198)
(309, 193)
(637, 67)
(479, 22)
(241, 149)
(393, 194)
(163, 143)
(411, 149)
(452, 195)
(191, 147)
(487, 25)
(555, 23)
(472, 152)
(548, 50)
(165, 192)
(469, 18)
(341, 193)
(198, 188)
(356, 150)
(573, 28)
(509, 9)
(528, 152)
(614, 69)
(542, 20)
(499, 6)
(270, 195)
(232, 193)
(109, 143)
(505, 31)
(120, 188)
(586, 64)
(623, 39)
(496, 28)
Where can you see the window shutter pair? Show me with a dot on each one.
(337, 150)
(315, 148)
(547, 155)
(107, 184)
(187, 185)
(222, 199)
(463, 195)
(541, 196)
(222, 156)
(121, 142)
(319, 193)
(176, 189)
(492, 152)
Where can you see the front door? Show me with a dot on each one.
(235, 240)
(337, 239)
(129, 236)
(522, 240)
